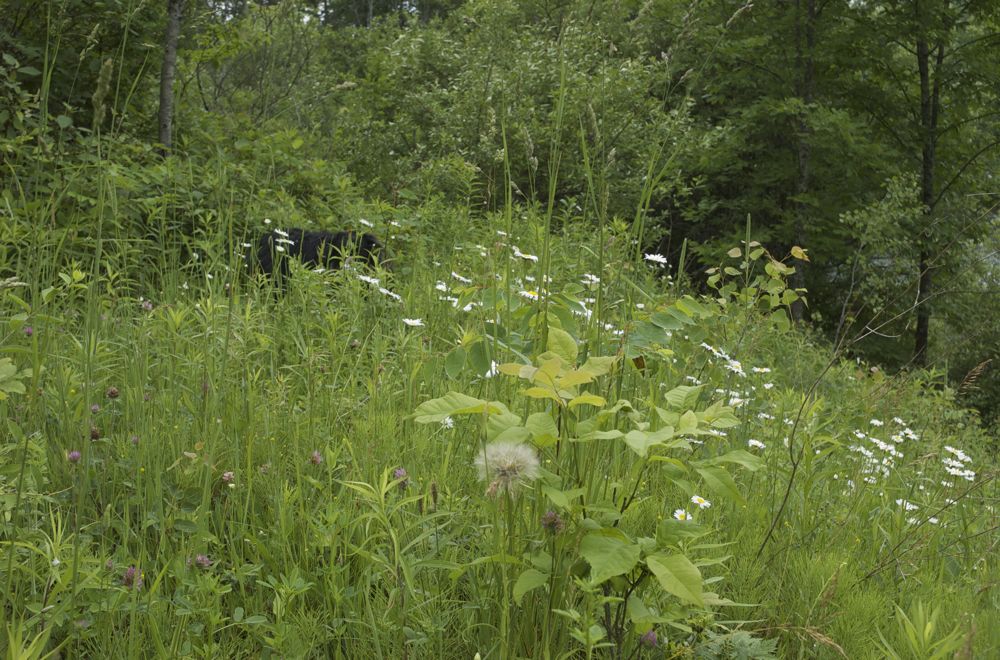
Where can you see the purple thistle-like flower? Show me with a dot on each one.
(132, 578)
(95, 408)
(552, 523)
(147, 306)
(95, 433)
(202, 561)
(74, 456)
(316, 458)
(649, 640)
(399, 474)
(135, 440)
(28, 331)
(112, 393)
(228, 477)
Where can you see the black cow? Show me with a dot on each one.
(317, 249)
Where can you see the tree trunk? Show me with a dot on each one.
(805, 29)
(167, 74)
(929, 108)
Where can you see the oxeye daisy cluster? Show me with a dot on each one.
(958, 466)
(729, 362)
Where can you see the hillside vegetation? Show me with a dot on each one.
(643, 379)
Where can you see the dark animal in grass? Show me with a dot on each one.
(317, 249)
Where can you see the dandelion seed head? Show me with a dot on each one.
(507, 466)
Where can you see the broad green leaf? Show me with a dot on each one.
(479, 357)
(516, 434)
(719, 481)
(499, 422)
(542, 427)
(526, 581)
(454, 362)
(666, 321)
(780, 320)
(598, 366)
(542, 393)
(574, 378)
(735, 253)
(638, 613)
(609, 553)
(562, 344)
(688, 423)
(683, 397)
(587, 399)
(453, 403)
(678, 576)
(641, 441)
(740, 457)
(562, 498)
(548, 371)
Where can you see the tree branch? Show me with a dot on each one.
(962, 169)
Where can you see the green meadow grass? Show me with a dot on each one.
(195, 465)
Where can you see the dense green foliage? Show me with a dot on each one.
(529, 440)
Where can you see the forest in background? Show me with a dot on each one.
(866, 132)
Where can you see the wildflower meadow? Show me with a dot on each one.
(654, 330)
(486, 452)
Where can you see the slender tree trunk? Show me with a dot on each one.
(930, 93)
(167, 74)
(805, 31)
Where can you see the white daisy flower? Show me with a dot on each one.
(681, 514)
(700, 501)
(414, 323)
(656, 259)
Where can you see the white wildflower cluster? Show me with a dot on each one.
(581, 309)
(958, 466)
(907, 506)
(731, 364)
(590, 279)
(872, 463)
(386, 292)
(756, 444)
(522, 255)
(657, 259)
(463, 280)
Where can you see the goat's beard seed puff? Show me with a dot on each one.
(506, 467)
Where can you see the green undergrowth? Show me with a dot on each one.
(199, 465)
